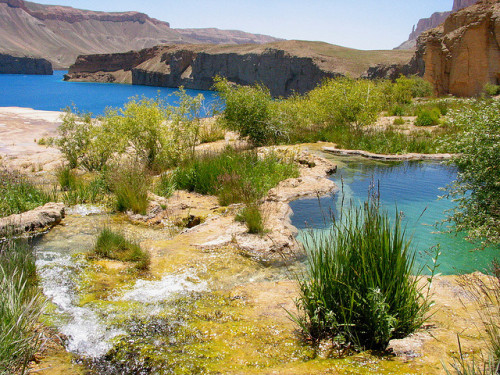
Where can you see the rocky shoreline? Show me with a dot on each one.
(393, 157)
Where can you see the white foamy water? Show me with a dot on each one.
(87, 334)
(146, 291)
(84, 210)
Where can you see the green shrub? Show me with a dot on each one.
(359, 285)
(428, 117)
(160, 135)
(130, 182)
(252, 217)
(21, 304)
(233, 176)
(248, 112)
(18, 194)
(399, 121)
(477, 188)
(491, 89)
(85, 141)
(405, 89)
(114, 245)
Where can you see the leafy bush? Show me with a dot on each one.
(491, 89)
(407, 88)
(428, 117)
(160, 135)
(248, 111)
(359, 286)
(130, 182)
(114, 245)
(21, 304)
(477, 188)
(85, 141)
(18, 194)
(233, 176)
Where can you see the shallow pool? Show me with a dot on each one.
(413, 190)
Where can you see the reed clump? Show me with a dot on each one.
(360, 287)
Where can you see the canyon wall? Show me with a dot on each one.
(61, 33)
(24, 65)
(463, 54)
(283, 67)
(433, 21)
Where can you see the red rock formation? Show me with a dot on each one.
(433, 21)
(463, 54)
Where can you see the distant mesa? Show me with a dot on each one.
(433, 21)
(24, 65)
(284, 67)
(60, 33)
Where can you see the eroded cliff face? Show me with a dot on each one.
(433, 21)
(61, 33)
(24, 65)
(463, 54)
(284, 67)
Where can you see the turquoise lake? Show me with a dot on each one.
(411, 189)
(51, 93)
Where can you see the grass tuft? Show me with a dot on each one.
(114, 245)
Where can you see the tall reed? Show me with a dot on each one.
(360, 285)
(21, 304)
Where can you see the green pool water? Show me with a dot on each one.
(410, 188)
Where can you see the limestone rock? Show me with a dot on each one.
(38, 219)
(463, 54)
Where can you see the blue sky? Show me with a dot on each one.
(363, 24)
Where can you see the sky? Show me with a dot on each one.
(361, 24)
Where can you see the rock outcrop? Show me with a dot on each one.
(433, 21)
(61, 33)
(284, 67)
(463, 54)
(24, 65)
(40, 218)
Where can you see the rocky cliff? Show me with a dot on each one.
(284, 67)
(433, 21)
(24, 65)
(463, 54)
(61, 33)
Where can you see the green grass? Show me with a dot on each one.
(21, 304)
(234, 176)
(130, 182)
(252, 217)
(18, 194)
(360, 287)
(114, 245)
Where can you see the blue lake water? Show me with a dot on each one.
(51, 93)
(411, 188)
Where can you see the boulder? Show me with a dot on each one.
(40, 218)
